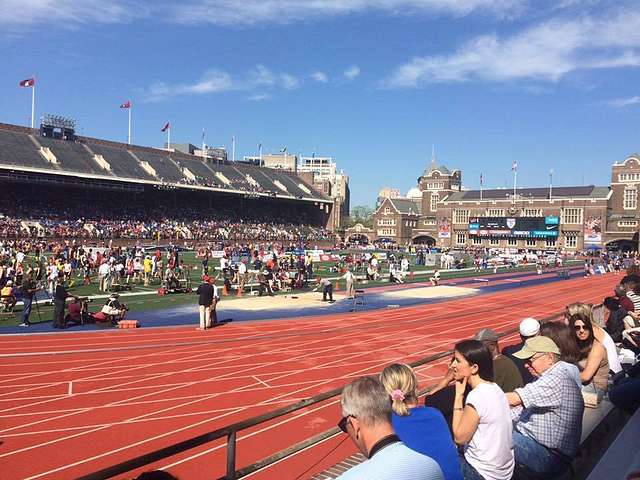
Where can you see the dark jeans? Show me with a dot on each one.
(58, 315)
(328, 290)
(468, 472)
(626, 394)
(26, 309)
(536, 457)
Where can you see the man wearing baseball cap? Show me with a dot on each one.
(547, 413)
(529, 327)
(505, 373)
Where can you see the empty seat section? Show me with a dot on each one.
(18, 149)
(71, 156)
(122, 163)
(291, 182)
(236, 178)
(262, 177)
(164, 167)
(204, 175)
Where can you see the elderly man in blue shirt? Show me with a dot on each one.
(366, 410)
(547, 413)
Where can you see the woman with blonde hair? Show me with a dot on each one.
(422, 429)
(585, 310)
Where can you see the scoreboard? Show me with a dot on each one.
(522, 227)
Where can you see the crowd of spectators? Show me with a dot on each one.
(99, 222)
(497, 414)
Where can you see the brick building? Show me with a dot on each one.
(562, 218)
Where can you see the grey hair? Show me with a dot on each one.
(367, 400)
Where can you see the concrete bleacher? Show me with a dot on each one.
(71, 156)
(18, 149)
(623, 455)
(26, 148)
(165, 168)
(122, 163)
(195, 166)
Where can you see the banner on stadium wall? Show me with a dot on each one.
(444, 228)
(326, 257)
(593, 230)
(217, 254)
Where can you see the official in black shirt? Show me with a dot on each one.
(59, 299)
(207, 300)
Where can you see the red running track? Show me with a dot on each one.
(74, 403)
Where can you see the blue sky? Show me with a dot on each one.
(373, 83)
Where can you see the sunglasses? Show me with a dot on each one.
(344, 421)
(580, 327)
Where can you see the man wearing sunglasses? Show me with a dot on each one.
(547, 413)
(366, 418)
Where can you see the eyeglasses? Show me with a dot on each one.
(534, 358)
(344, 421)
(580, 327)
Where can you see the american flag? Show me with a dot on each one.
(126, 104)
(29, 82)
(514, 167)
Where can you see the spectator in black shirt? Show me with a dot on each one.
(29, 289)
(59, 299)
(207, 301)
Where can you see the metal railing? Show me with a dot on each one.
(231, 431)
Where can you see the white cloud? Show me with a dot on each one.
(253, 12)
(258, 97)
(23, 13)
(547, 51)
(319, 77)
(216, 81)
(352, 72)
(624, 102)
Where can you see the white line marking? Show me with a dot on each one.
(264, 383)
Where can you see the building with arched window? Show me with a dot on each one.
(560, 218)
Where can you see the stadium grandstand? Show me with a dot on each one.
(57, 184)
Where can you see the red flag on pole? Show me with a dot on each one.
(126, 104)
(29, 82)
(166, 127)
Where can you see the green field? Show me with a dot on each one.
(141, 302)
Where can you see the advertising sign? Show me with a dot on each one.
(514, 226)
(593, 230)
(444, 228)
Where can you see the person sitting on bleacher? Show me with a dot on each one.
(528, 328)
(593, 364)
(366, 418)
(422, 429)
(547, 413)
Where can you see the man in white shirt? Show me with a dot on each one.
(366, 418)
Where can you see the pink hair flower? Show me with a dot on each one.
(397, 396)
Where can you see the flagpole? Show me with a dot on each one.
(260, 152)
(515, 178)
(481, 182)
(129, 137)
(33, 103)
(203, 154)
(233, 148)
(169, 138)
(550, 182)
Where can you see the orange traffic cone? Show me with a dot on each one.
(337, 286)
(225, 292)
(239, 294)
